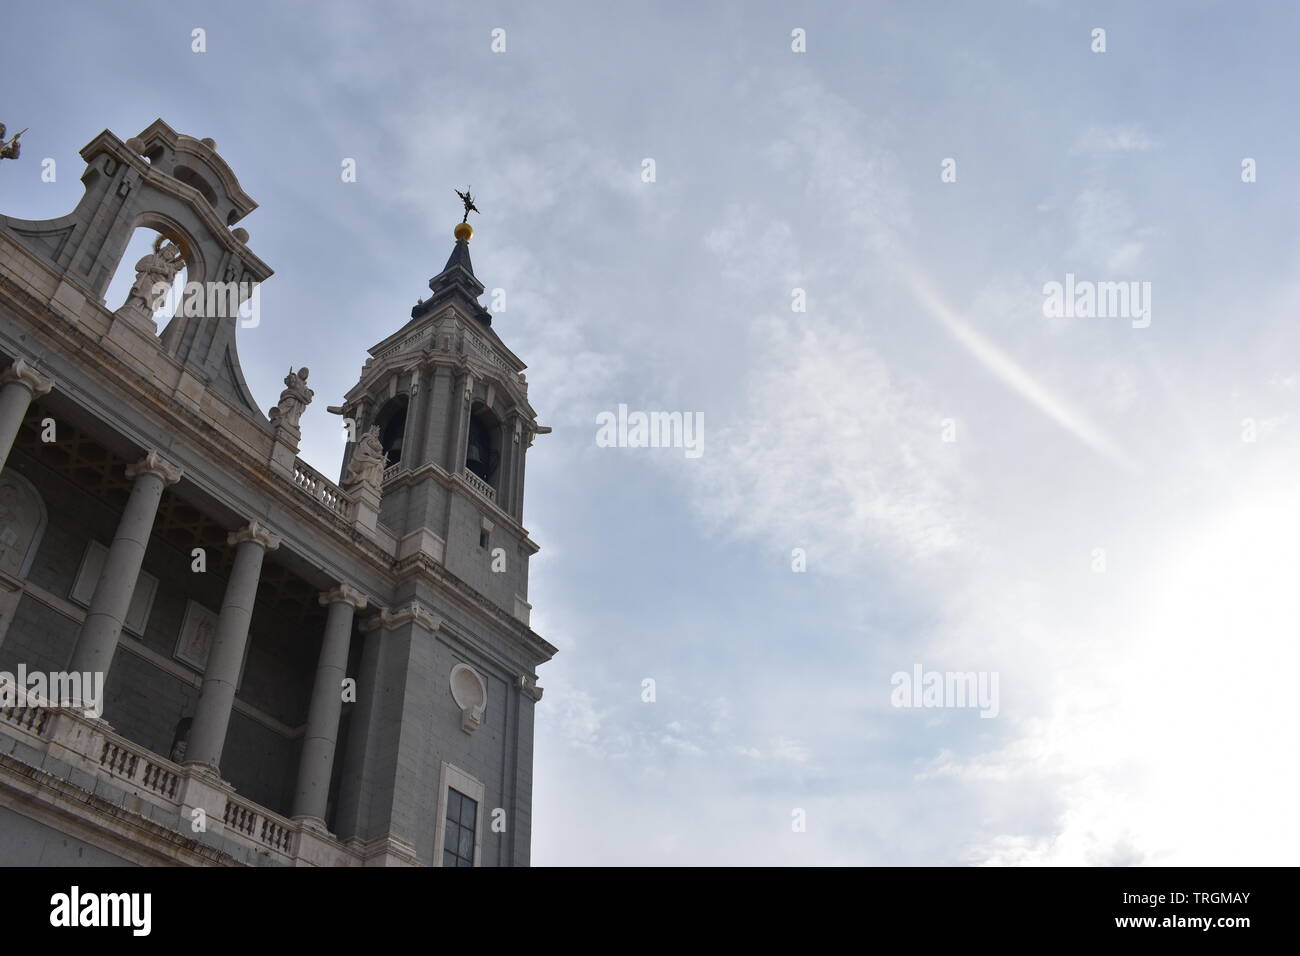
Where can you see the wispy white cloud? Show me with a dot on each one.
(1106, 233)
(1129, 138)
(832, 453)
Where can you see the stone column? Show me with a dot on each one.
(217, 696)
(437, 385)
(317, 761)
(19, 384)
(414, 422)
(97, 640)
(517, 493)
(462, 401)
(352, 812)
(511, 433)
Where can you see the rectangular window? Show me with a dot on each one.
(458, 839)
(483, 539)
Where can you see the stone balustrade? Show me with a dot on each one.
(31, 719)
(140, 768)
(320, 488)
(259, 825)
(49, 738)
(479, 485)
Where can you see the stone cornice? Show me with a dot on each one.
(502, 652)
(391, 620)
(460, 363)
(453, 483)
(471, 601)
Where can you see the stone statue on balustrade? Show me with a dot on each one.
(293, 400)
(368, 462)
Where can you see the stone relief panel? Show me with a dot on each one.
(198, 628)
(198, 632)
(22, 523)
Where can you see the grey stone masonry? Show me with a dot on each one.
(310, 694)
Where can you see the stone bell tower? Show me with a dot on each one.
(447, 402)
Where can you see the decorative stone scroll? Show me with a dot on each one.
(26, 376)
(343, 593)
(154, 464)
(257, 533)
(529, 688)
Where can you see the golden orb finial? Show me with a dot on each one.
(463, 230)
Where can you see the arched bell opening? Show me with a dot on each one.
(392, 426)
(483, 450)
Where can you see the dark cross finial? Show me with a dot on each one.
(468, 200)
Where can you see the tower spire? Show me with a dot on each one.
(460, 252)
(457, 277)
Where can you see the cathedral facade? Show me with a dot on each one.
(211, 653)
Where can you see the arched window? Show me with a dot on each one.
(392, 426)
(483, 451)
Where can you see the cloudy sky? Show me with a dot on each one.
(1111, 529)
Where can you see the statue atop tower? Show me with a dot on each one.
(468, 200)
